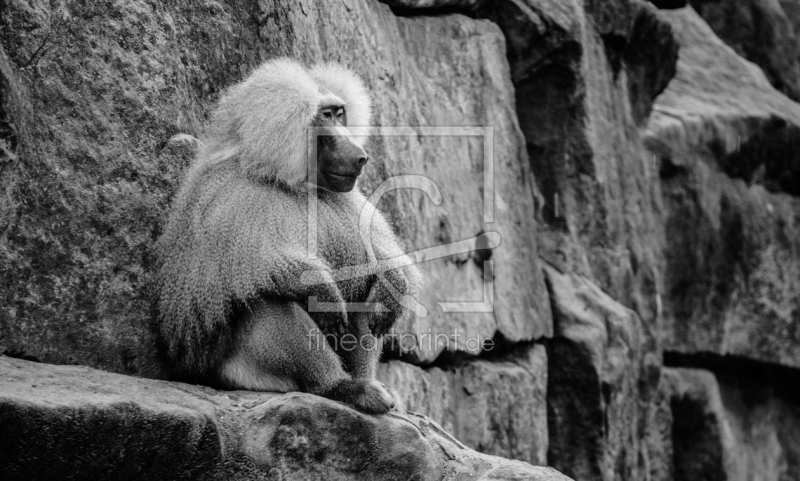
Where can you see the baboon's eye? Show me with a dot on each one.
(327, 113)
(340, 114)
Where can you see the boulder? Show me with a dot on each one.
(75, 422)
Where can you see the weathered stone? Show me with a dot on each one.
(495, 407)
(71, 422)
(92, 91)
(475, 53)
(701, 437)
(759, 404)
(720, 103)
(737, 423)
(726, 142)
(594, 375)
(766, 32)
(764, 425)
(761, 407)
(449, 5)
(649, 57)
(657, 453)
(585, 79)
(586, 75)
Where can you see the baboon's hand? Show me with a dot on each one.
(332, 316)
(320, 293)
(389, 297)
(368, 396)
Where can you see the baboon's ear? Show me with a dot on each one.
(345, 84)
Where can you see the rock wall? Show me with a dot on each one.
(586, 74)
(723, 137)
(645, 190)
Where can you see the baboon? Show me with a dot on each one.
(231, 308)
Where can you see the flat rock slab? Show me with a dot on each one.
(71, 422)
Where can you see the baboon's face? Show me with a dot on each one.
(339, 158)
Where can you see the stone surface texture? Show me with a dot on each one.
(766, 32)
(498, 406)
(70, 422)
(702, 441)
(449, 5)
(724, 140)
(657, 452)
(733, 424)
(726, 144)
(593, 400)
(585, 81)
(585, 77)
(763, 413)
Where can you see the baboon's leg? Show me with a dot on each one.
(278, 347)
(361, 357)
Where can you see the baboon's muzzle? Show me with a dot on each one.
(339, 160)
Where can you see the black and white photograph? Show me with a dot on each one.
(400, 240)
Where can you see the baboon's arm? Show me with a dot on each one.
(285, 281)
(387, 292)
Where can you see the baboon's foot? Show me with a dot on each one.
(367, 396)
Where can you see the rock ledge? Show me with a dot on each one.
(75, 422)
